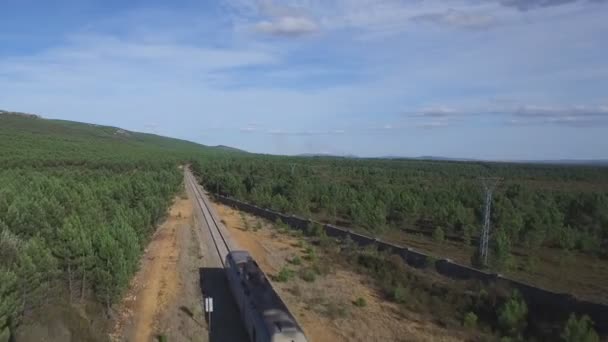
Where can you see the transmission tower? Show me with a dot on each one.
(489, 185)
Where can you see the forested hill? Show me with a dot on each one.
(78, 203)
(29, 138)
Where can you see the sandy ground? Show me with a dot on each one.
(164, 296)
(315, 303)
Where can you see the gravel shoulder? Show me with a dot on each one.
(164, 296)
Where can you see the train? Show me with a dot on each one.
(265, 316)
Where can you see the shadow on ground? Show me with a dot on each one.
(226, 323)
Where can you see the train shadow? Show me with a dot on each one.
(226, 322)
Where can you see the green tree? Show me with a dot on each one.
(502, 250)
(8, 302)
(579, 330)
(439, 235)
(512, 316)
(470, 320)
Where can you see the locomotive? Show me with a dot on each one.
(265, 315)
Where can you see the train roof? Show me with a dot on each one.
(276, 316)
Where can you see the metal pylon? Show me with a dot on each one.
(489, 185)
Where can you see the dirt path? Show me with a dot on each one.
(324, 307)
(164, 296)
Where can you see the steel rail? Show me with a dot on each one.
(220, 242)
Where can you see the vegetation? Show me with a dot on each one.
(360, 302)
(78, 204)
(470, 320)
(538, 211)
(481, 310)
(579, 330)
(537, 205)
(512, 317)
(284, 275)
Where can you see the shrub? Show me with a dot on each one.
(579, 330)
(400, 294)
(280, 225)
(296, 291)
(308, 275)
(470, 320)
(502, 251)
(258, 226)
(284, 275)
(589, 244)
(315, 230)
(321, 268)
(295, 260)
(439, 235)
(512, 315)
(467, 234)
(430, 261)
(360, 302)
(334, 310)
(311, 255)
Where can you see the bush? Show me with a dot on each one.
(430, 261)
(579, 330)
(502, 251)
(400, 294)
(308, 275)
(470, 320)
(258, 226)
(467, 234)
(512, 316)
(311, 255)
(360, 302)
(334, 310)
(315, 230)
(295, 260)
(284, 275)
(439, 235)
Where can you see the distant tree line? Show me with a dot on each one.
(536, 205)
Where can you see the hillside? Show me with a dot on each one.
(27, 137)
(78, 205)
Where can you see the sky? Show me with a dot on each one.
(488, 79)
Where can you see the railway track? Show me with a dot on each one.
(222, 243)
(264, 314)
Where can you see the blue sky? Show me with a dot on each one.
(494, 79)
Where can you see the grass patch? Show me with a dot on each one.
(308, 275)
(335, 310)
(360, 302)
(284, 275)
(295, 261)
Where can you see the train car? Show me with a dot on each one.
(264, 314)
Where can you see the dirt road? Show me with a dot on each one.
(164, 297)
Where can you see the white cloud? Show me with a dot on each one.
(436, 112)
(514, 114)
(248, 129)
(287, 26)
(458, 19)
(525, 5)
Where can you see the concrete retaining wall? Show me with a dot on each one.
(551, 304)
